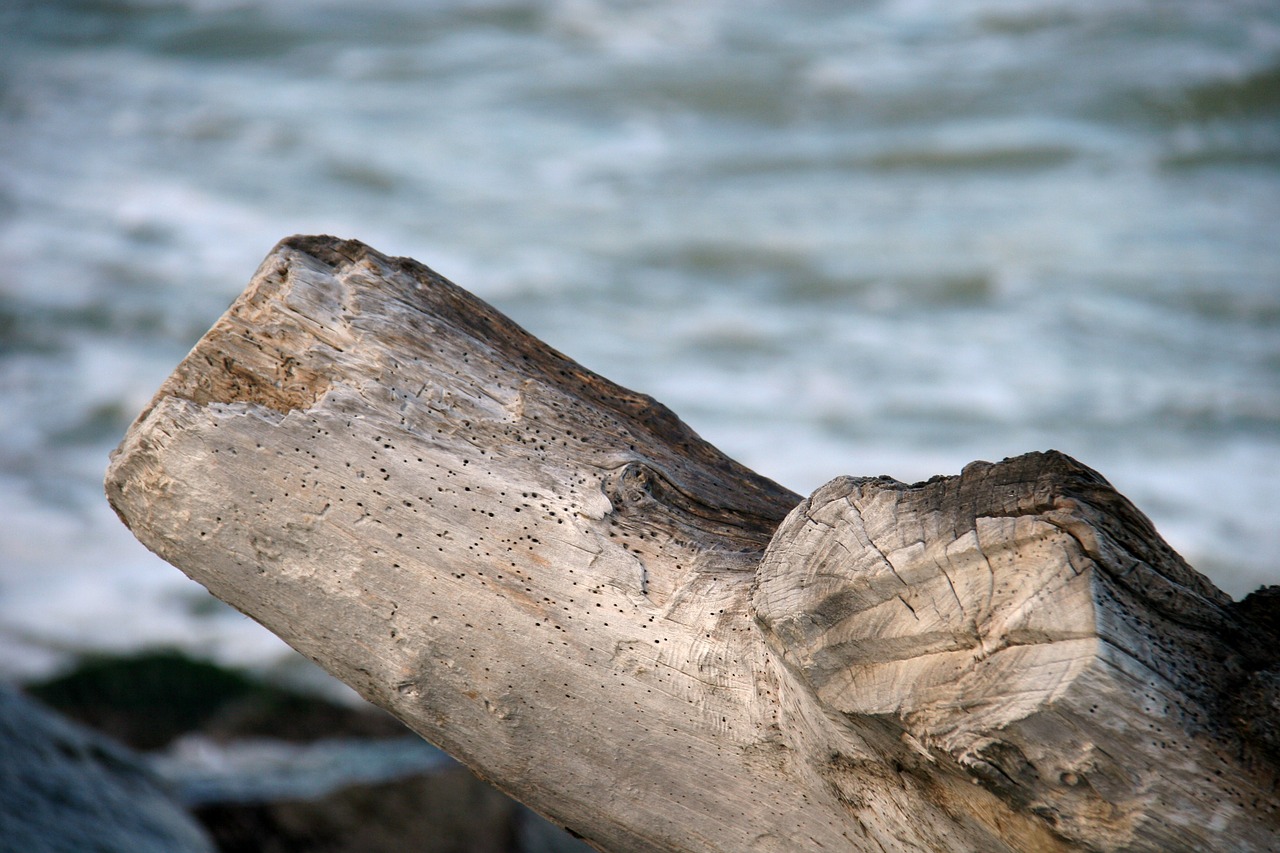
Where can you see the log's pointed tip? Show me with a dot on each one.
(113, 483)
(125, 464)
(114, 503)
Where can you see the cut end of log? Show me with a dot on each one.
(932, 600)
(884, 593)
(1025, 620)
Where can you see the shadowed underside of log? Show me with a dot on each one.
(557, 581)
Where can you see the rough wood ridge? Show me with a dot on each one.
(557, 581)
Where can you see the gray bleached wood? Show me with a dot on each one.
(558, 582)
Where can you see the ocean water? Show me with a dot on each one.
(836, 238)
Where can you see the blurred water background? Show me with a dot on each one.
(864, 237)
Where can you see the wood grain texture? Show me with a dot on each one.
(557, 581)
(1024, 619)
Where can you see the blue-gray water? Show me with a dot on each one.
(870, 237)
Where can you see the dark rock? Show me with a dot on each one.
(147, 700)
(64, 789)
(448, 811)
(266, 768)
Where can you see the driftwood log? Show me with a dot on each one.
(555, 580)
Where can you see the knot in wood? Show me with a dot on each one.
(634, 485)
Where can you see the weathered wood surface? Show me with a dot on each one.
(556, 581)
